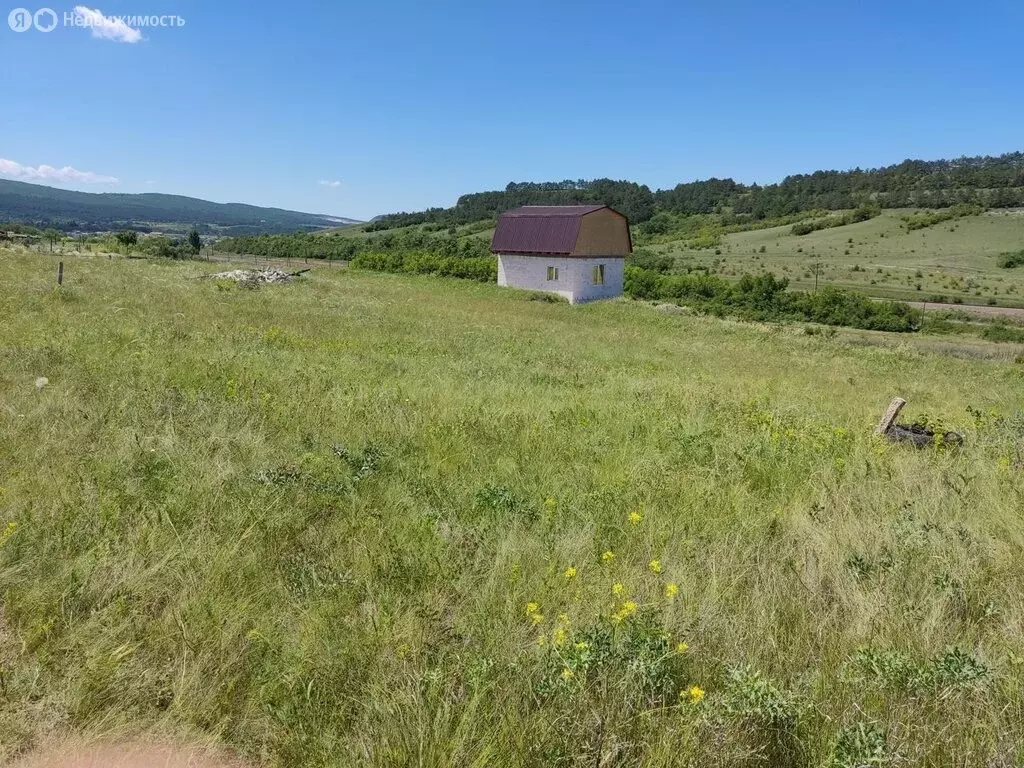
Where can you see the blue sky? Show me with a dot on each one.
(409, 104)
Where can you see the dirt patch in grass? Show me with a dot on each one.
(128, 754)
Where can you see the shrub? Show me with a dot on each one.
(922, 220)
(862, 213)
(1004, 333)
(481, 269)
(769, 716)
(1011, 260)
(645, 259)
(767, 298)
(859, 746)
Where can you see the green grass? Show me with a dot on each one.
(955, 259)
(309, 520)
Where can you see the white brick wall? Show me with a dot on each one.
(575, 275)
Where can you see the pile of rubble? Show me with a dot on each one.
(252, 278)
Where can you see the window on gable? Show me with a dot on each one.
(552, 273)
(599, 274)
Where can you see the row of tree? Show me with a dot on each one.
(634, 200)
(304, 245)
(767, 298)
(991, 182)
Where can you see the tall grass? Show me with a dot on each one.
(380, 519)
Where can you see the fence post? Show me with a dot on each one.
(60, 273)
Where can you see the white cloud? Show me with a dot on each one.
(67, 174)
(150, 183)
(326, 183)
(106, 27)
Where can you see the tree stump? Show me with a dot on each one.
(890, 416)
(917, 435)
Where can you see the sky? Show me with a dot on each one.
(357, 109)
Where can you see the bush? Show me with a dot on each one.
(1004, 333)
(767, 298)
(922, 220)
(862, 213)
(645, 259)
(1011, 260)
(481, 269)
(164, 248)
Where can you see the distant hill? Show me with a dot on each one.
(90, 212)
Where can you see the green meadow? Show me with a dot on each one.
(374, 519)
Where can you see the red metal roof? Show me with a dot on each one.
(540, 229)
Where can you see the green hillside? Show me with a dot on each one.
(367, 519)
(956, 260)
(87, 211)
(990, 182)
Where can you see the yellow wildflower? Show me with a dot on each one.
(629, 608)
(618, 589)
(635, 518)
(532, 608)
(655, 566)
(682, 648)
(541, 640)
(570, 573)
(582, 646)
(696, 694)
(7, 532)
(559, 637)
(537, 618)
(608, 556)
(567, 674)
(671, 590)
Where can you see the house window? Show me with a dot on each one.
(599, 274)
(552, 273)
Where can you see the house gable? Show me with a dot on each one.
(604, 232)
(569, 230)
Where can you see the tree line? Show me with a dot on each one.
(990, 182)
(767, 298)
(336, 247)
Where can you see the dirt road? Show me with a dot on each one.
(975, 310)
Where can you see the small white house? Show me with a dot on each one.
(576, 251)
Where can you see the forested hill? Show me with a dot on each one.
(89, 211)
(995, 182)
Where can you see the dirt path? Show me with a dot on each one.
(137, 754)
(976, 310)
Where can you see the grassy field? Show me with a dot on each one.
(955, 259)
(385, 520)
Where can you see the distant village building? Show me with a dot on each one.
(576, 251)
